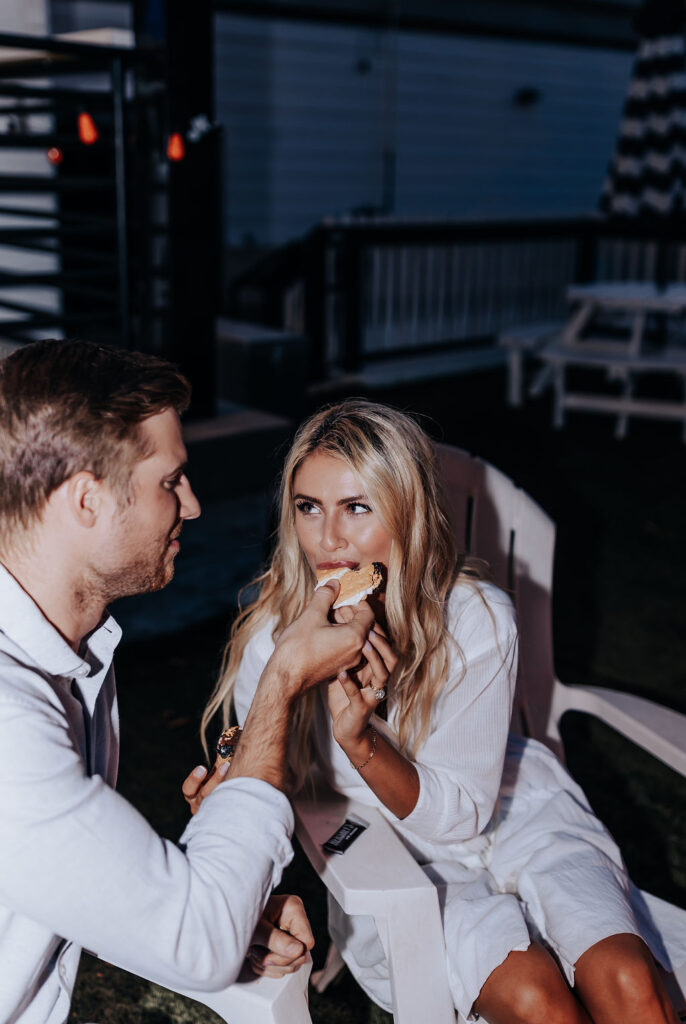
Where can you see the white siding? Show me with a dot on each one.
(308, 109)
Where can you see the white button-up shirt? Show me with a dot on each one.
(79, 866)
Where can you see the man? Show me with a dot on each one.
(93, 496)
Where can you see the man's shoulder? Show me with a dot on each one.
(22, 681)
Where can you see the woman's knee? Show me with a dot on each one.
(528, 988)
(618, 980)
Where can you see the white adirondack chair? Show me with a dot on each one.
(496, 520)
(253, 1000)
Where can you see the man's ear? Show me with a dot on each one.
(85, 498)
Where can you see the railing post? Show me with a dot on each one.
(315, 301)
(120, 194)
(586, 253)
(351, 288)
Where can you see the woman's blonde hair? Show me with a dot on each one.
(396, 462)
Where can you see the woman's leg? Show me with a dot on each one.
(528, 988)
(618, 983)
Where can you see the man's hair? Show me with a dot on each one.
(68, 406)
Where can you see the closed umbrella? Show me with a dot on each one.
(647, 174)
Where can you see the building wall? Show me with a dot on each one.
(323, 120)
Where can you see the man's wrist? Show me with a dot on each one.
(281, 676)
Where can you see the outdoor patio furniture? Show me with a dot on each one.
(519, 341)
(582, 342)
(253, 1000)
(496, 520)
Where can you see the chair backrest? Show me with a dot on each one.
(497, 521)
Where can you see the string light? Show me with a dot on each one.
(88, 133)
(176, 149)
(55, 155)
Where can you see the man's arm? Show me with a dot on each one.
(309, 651)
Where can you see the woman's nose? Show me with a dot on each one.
(331, 535)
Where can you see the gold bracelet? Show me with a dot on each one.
(359, 767)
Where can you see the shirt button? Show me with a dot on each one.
(81, 672)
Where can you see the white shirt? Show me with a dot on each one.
(79, 866)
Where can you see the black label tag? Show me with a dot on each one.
(344, 836)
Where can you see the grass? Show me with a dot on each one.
(619, 617)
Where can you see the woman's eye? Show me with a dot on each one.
(357, 508)
(306, 507)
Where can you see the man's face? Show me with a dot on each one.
(142, 537)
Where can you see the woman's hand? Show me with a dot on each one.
(353, 695)
(200, 783)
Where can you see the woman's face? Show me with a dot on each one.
(335, 523)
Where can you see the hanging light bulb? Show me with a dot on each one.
(176, 149)
(55, 155)
(88, 133)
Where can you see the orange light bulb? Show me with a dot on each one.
(88, 133)
(176, 149)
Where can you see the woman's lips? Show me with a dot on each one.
(337, 565)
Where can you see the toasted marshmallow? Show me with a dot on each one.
(356, 584)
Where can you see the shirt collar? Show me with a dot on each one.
(24, 623)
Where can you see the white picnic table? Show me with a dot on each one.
(623, 354)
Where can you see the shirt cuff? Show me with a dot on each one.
(249, 812)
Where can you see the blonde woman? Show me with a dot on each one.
(537, 910)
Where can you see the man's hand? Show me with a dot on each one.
(314, 649)
(282, 938)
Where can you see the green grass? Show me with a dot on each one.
(619, 620)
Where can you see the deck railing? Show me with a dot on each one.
(365, 291)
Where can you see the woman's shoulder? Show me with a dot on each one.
(476, 604)
(260, 644)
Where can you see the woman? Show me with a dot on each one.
(538, 920)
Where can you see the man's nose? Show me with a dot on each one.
(189, 506)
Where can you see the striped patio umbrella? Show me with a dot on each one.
(647, 175)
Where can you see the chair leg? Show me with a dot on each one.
(514, 382)
(333, 966)
(559, 385)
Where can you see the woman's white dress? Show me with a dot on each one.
(499, 825)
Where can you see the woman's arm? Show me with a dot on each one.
(392, 777)
(449, 792)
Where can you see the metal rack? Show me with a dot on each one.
(82, 251)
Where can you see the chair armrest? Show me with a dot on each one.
(377, 875)
(373, 871)
(659, 730)
(253, 1000)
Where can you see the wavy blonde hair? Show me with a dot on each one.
(396, 463)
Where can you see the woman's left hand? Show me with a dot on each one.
(353, 695)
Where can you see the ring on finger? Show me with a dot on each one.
(380, 694)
